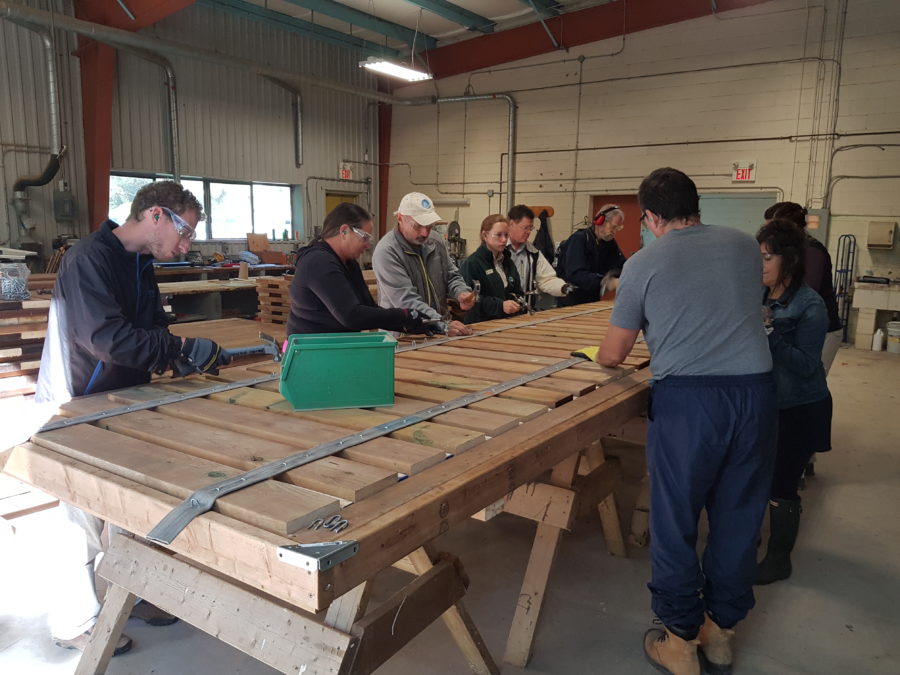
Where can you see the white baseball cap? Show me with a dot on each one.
(420, 208)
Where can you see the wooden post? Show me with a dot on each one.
(537, 574)
(105, 633)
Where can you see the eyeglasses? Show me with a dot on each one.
(528, 229)
(181, 225)
(500, 235)
(362, 234)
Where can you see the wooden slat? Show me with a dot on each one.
(333, 476)
(271, 505)
(522, 410)
(465, 384)
(387, 453)
(477, 420)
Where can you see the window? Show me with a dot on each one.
(122, 190)
(232, 209)
(272, 210)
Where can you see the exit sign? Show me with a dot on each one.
(743, 171)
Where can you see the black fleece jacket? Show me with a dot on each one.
(329, 296)
(480, 267)
(106, 328)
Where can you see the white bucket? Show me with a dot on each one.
(893, 337)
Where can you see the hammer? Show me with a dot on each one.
(270, 347)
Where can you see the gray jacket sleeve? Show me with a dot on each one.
(395, 288)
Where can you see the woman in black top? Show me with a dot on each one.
(329, 294)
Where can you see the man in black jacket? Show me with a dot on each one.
(107, 330)
(590, 255)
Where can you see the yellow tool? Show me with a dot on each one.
(587, 353)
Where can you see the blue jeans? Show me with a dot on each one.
(710, 444)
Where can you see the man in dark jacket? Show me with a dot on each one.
(590, 255)
(106, 330)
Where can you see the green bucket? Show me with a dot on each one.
(339, 370)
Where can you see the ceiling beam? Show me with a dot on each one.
(570, 30)
(457, 14)
(544, 7)
(259, 14)
(367, 21)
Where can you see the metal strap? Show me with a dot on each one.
(146, 405)
(203, 500)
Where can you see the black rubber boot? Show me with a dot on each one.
(784, 523)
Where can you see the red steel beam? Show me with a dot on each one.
(569, 30)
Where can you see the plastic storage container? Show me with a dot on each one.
(14, 281)
(338, 370)
(893, 337)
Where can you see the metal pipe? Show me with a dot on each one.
(172, 99)
(116, 37)
(837, 179)
(52, 98)
(511, 140)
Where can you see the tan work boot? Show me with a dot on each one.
(123, 644)
(668, 653)
(715, 648)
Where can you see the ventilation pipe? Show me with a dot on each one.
(119, 38)
(57, 150)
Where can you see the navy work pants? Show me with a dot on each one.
(710, 444)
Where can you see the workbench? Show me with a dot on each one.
(532, 450)
(210, 299)
(202, 273)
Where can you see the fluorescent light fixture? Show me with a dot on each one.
(394, 70)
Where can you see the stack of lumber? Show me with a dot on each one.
(369, 276)
(133, 468)
(41, 284)
(274, 298)
(23, 327)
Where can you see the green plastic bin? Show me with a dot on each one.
(338, 370)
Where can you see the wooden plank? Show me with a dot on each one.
(477, 420)
(429, 434)
(497, 375)
(333, 476)
(522, 410)
(542, 503)
(246, 553)
(510, 366)
(271, 505)
(467, 384)
(387, 453)
(267, 630)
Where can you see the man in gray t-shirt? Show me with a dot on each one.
(696, 294)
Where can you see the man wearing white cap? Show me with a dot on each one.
(413, 269)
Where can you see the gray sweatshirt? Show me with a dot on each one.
(420, 279)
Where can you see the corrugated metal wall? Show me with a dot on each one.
(235, 125)
(25, 127)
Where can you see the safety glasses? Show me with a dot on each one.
(362, 234)
(181, 225)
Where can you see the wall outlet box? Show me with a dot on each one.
(881, 234)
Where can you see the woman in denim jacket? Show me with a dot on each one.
(796, 321)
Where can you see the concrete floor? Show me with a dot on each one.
(839, 613)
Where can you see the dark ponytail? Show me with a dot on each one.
(343, 214)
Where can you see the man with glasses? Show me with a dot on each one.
(592, 259)
(695, 294)
(535, 273)
(414, 270)
(106, 330)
